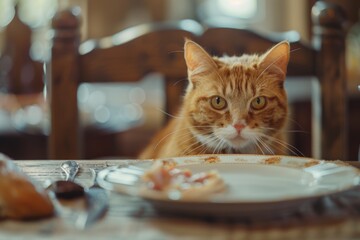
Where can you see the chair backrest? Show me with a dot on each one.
(132, 53)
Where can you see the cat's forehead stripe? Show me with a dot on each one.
(237, 80)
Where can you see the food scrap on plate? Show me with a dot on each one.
(183, 184)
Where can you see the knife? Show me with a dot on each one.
(97, 204)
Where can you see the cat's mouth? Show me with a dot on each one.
(238, 142)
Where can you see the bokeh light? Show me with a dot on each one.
(7, 12)
(37, 13)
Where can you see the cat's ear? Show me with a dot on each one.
(198, 61)
(276, 59)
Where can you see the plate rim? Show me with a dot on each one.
(167, 200)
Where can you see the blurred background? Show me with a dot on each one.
(109, 110)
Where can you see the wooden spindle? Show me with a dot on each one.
(64, 128)
(330, 110)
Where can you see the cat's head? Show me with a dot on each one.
(236, 104)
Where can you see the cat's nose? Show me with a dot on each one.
(239, 127)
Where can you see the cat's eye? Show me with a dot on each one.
(218, 102)
(258, 103)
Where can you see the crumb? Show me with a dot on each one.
(169, 163)
(212, 159)
(272, 160)
(311, 163)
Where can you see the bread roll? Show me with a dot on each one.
(20, 198)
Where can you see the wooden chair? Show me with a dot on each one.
(135, 52)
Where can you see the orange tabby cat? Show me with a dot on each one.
(231, 105)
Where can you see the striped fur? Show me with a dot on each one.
(202, 129)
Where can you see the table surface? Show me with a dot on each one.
(133, 218)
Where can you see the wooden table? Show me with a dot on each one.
(132, 218)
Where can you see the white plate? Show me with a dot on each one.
(257, 184)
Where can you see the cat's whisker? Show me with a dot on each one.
(283, 130)
(267, 147)
(262, 143)
(169, 134)
(292, 149)
(189, 146)
(219, 146)
(180, 80)
(280, 150)
(222, 144)
(176, 51)
(203, 145)
(216, 147)
(255, 140)
(294, 50)
(267, 130)
(168, 114)
(178, 130)
(295, 131)
(284, 144)
(204, 150)
(290, 119)
(194, 143)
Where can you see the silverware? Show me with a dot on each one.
(70, 168)
(97, 204)
(67, 189)
(96, 199)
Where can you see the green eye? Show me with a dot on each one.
(218, 103)
(258, 103)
